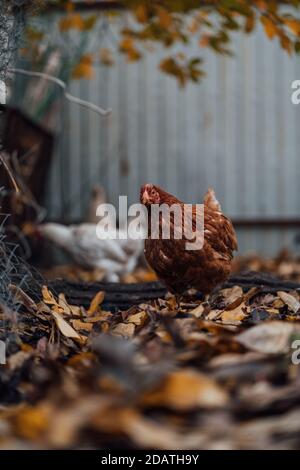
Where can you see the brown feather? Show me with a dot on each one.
(202, 269)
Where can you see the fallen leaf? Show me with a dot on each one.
(233, 297)
(213, 314)
(139, 319)
(103, 316)
(269, 26)
(293, 25)
(269, 337)
(80, 325)
(198, 311)
(289, 300)
(48, 297)
(64, 304)
(16, 360)
(96, 302)
(187, 390)
(64, 327)
(22, 298)
(124, 329)
(32, 422)
(235, 315)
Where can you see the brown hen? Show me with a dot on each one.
(179, 268)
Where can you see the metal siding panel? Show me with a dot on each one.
(237, 131)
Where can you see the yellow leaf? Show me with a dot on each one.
(133, 55)
(31, 422)
(89, 22)
(141, 13)
(72, 21)
(97, 300)
(84, 69)
(187, 390)
(262, 5)
(70, 6)
(126, 44)
(293, 25)
(164, 17)
(250, 23)
(286, 44)
(269, 27)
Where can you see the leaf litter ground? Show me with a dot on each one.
(215, 373)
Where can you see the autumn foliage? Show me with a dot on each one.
(176, 24)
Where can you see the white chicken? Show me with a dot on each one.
(116, 257)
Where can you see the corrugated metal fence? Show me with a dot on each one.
(237, 131)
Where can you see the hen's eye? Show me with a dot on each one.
(152, 192)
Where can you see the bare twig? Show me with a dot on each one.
(6, 166)
(63, 85)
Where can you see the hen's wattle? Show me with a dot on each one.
(179, 268)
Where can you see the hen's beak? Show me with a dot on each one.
(145, 198)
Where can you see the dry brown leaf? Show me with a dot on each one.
(66, 422)
(272, 311)
(103, 316)
(251, 292)
(32, 422)
(269, 337)
(293, 25)
(269, 26)
(289, 300)
(124, 329)
(198, 311)
(48, 297)
(64, 304)
(96, 302)
(213, 314)
(164, 335)
(43, 308)
(15, 361)
(150, 434)
(235, 315)
(139, 319)
(22, 297)
(187, 390)
(278, 303)
(80, 325)
(233, 297)
(64, 327)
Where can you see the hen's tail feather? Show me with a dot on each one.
(211, 201)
